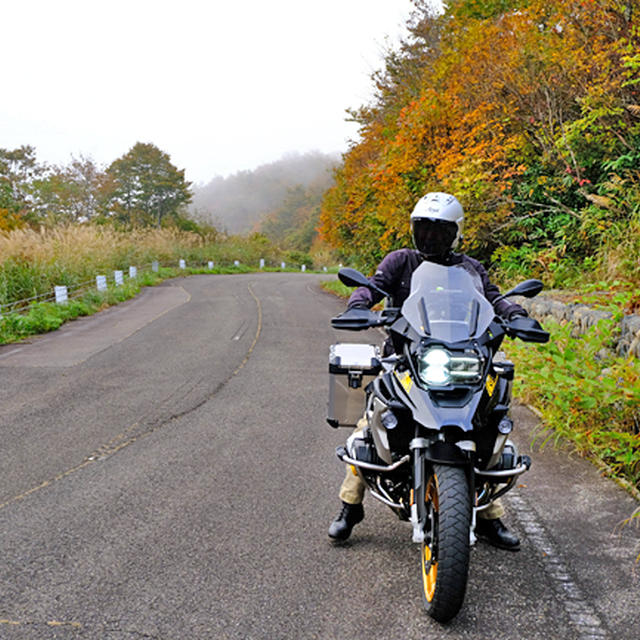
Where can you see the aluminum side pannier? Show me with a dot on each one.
(351, 367)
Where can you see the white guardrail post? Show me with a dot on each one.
(62, 296)
(61, 292)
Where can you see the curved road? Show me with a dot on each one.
(166, 472)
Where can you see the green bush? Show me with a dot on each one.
(585, 393)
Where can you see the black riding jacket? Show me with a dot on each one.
(393, 275)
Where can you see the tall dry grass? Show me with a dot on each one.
(33, 261)
(78, 246)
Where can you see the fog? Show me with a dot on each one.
(219, 86)
(237, 203)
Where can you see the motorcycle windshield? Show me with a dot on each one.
(447, 303)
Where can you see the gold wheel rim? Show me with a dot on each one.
(430, 568)
(429, 577)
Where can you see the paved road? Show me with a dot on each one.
(166, 472)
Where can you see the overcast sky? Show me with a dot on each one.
(219, 85)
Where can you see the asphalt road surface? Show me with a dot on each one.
(166, 472)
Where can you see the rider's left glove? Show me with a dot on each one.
(524, 323)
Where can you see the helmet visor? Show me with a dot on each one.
(434, 237)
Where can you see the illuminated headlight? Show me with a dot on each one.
(438, 368)
(434, 367)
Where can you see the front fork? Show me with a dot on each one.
(422, 471)
(418, 493)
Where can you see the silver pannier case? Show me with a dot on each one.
(352, 367)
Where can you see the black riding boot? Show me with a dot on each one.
(495, 533)
(349, 516)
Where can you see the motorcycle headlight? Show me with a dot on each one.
(437, 367)
(434, 367)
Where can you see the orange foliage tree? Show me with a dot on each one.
(519, 108)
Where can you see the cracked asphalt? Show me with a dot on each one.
(166, 472)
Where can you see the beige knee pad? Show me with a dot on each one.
(496, 510)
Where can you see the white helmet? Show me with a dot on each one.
(436, 224)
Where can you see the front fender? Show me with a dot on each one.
(446, 453)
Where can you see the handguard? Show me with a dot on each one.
(355, 319)
(527, 329)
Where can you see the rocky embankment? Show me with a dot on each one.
(626, 341)
(543, 308)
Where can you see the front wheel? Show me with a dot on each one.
(445, 550)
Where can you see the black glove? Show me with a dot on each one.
(517, 313)
(354, 318)
(358, 311)
(523, 322)
(528, 329)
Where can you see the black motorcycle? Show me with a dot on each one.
(436, 445)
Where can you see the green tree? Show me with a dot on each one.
(18, 170)
(145, 188)
(72, 193)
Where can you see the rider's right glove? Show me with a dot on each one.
(354, 317)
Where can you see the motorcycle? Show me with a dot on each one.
(435, 447)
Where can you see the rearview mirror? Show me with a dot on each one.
(353, 278)
(528, 289)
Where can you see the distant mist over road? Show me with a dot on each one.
(239, 202)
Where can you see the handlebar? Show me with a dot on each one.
(360, 319)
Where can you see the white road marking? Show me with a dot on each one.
(581, 614)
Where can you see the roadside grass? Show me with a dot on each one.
(586, 395)
(337, 288)
(32, 261)
(43, 317)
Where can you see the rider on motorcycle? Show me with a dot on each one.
(436, 225)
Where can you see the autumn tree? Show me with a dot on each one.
(529, 111)
(293, 224)
(145, 187)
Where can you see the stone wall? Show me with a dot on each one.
(582, 317)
